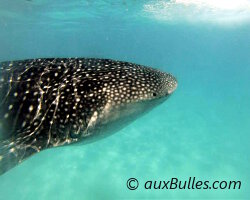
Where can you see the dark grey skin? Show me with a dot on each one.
(46, 103)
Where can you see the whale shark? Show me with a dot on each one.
(52, 102)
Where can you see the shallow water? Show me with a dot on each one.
(202, 131)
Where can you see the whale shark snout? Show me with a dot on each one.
(160, 84)
(171, 83)
(168, 84)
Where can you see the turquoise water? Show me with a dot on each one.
(202, 131)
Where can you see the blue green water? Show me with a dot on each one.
(203, 130)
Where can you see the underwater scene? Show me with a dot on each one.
(188, 135)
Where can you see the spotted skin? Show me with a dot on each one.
(51, 102)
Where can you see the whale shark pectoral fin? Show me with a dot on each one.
(16, 149)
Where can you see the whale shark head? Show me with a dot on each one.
(134, 91)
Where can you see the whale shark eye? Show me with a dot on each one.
(154, 94)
